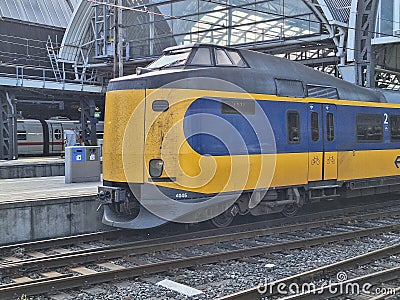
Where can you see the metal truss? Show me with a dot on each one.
(321, 58)
(8, 127)
(387, 79)
(365, 27)
(103, 22)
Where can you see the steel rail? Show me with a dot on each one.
(137, 248)
(45, 286)
(270, 288)
(66, 240)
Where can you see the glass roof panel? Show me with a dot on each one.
(46, 12)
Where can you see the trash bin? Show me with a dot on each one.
(82, 164)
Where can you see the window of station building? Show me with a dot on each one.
(330, 127)
(238, 106)
(395, 128)
(293, 127)
(289, 88)
(314, 127)
(369, 127)
(202, 57)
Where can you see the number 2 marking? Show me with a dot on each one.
(385, 115)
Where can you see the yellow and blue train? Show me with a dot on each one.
(208, 132)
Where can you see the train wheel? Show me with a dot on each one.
(223, 220)
(290, 210)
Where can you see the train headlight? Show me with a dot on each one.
(156, 167)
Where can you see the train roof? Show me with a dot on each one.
(252, 71)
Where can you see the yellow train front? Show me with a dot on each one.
(209, 132)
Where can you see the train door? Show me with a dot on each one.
(322, 156)
(56, 138)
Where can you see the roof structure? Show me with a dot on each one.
(44, 12)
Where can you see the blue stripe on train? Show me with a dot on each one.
(209, 131)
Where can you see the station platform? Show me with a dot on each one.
(25, 167)
(47, 207)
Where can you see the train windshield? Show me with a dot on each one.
(172, 58)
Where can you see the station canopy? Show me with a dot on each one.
(44, 12)
(149, 26)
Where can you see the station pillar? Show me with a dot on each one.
(8, 127)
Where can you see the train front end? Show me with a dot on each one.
(177, 142)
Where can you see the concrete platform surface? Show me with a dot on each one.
(43, 188)
(47, 207)
(31, 160)
(32, 167)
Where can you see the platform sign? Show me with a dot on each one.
(78, 154)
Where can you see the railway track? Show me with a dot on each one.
(33, 276)
(359, 277)
(116, 236)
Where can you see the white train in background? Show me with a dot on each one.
(37, 137)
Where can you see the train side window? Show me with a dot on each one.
(202, 57)
(289, 88)
(314, 127)
(293, 127)
(395, 128)
(57, 134)
(330, 127)
(21, 135)
(369, 128)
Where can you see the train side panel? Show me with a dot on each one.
(370, 142)
(124, 136)
(30, 137)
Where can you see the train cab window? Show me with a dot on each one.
(222, 58)
(21, 135)
(293, 127)
(314, 127)
(173, 58)
(330, 127)
(369, 128)
(237, 58)
(395, 128)
(289, 88)
(202, 57)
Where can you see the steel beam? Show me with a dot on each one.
(364, 60)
